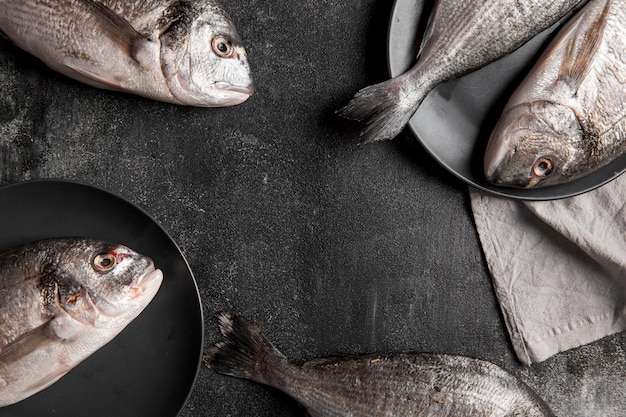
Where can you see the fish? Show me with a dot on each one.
(60, 301)
(461, 36)
(568, 116)
(408, 385)
(181, 52)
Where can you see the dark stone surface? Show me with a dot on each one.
(330, 247)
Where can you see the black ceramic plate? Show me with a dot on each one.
(148, 369)
(454, 122)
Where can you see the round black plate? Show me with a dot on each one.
(454, 121)
(148, 369)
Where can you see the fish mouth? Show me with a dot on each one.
(497, 157)
(247, 90)
(233, 94)
(147, 284)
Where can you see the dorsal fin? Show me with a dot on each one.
(583, 48)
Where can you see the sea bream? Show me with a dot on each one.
(407, 385)
(60, 301)
(182, 52)
(568, 117)
(461, 36)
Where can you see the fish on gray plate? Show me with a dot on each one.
(182, 52)
(568, 117)
(408, 385)
(461, 36)
(60, 301)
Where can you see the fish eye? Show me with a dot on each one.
(543, 167)
(104, 262)
(223, 47)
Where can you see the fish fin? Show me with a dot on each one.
(27, 343)
(383, 108)
(582, 49)
(115, 27)
(332, 360)
(50, 378)
(429, 12)
(246, 353)
(91, 78)
(318, 362)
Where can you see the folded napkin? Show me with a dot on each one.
(558, 267)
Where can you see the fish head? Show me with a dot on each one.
(204, 61)
(103, 285)
(534, 144)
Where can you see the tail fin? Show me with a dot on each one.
(384, 108)
(246, 353)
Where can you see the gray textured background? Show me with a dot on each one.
(330, 247)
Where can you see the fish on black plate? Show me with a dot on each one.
(568, 117)
(462, 36)
(182, 52)
(60, 301)
(407, 385)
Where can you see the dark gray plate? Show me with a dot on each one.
(454, 122)
(148, 369)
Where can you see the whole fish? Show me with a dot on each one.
(60, 301)
(461, 36)
(407, 385)
(182, 52)
(568, 117)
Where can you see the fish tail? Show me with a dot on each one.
(384, 108)
(246, 353)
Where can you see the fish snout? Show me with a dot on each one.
(495, 164)
(500, 150)
(147, 284)
(234, 94)
(506, 148)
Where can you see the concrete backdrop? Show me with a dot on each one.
(332, 248)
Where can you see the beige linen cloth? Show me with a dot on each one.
(558, 267)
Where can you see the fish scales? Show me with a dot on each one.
(568, 116)
(60, 31)
(408, 384)
(60, 301)
(497, 28)
(181, 52)
(20, 297)
(461, 36)
(411, 385)
(75, 43)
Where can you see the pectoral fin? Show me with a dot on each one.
(51, 377)
(583, 46)
(28, 343)
(89, 77)
(113, 26)
(122, 35)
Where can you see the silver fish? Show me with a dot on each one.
(462, 36)
(568, 117)
(408, 385)
(182, 52)
(60, 301)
